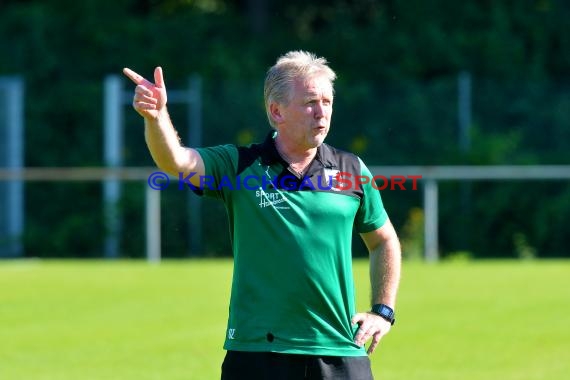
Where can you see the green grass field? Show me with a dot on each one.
(130, 320)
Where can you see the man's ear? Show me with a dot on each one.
(275, 112)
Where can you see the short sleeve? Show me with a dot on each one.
(371, 214)
(220, 164)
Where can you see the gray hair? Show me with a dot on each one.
(293, 65)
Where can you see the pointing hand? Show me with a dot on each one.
(149, 98)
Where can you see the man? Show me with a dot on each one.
(292, 203)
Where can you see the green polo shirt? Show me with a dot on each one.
(292, 289)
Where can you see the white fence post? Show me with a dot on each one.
(464, 110)
(431, 220)
(12, 158)
(194, 139)
(153, 237)
(113, 157)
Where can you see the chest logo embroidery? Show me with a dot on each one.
(274, 199)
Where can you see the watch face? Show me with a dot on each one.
(383, 310)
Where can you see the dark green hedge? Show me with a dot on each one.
(396, 103)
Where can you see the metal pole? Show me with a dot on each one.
(153, 237)
(194, 139)
(113, 140)
(464, 90)
(13, 159)
(431, 220)
(464, 110)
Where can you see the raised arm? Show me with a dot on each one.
(161, 138)
(385, 265)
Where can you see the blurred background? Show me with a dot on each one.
(420, 83)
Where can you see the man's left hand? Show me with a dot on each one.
(370, 326)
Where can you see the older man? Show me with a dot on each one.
(292, 310)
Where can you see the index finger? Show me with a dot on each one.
(136, 78)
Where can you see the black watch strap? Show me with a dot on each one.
(385, 312)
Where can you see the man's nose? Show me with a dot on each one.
(319, 110)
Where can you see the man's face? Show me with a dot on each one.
(305, 121)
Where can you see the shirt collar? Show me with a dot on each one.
(270, 155)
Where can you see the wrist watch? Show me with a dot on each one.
(385, 312)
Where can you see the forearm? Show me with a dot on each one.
(385, 262)
(161, 137)
(385, 266)
(164, 143)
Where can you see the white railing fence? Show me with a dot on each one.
(427, 180)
